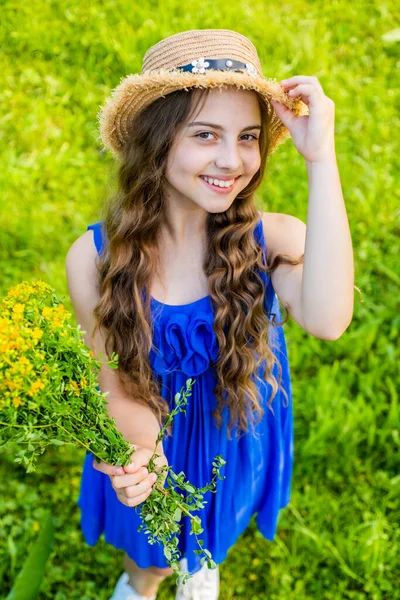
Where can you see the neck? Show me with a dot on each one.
(183, 226)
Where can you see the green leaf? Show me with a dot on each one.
(167, 554)
(29, 579)
(189, 488)
(111, 436)
(177, 514)
(56, 442)
(196, 527)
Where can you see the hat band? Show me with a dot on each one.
(202, 65)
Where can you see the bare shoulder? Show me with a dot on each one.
(283, 234)
(82, 276)
(83, 245)
(81, 257)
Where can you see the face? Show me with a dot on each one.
(229, 148)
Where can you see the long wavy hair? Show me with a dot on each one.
(133, 218)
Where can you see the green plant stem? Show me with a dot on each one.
(91, 421)
(183, 509)
(79, 442)
(21, 426)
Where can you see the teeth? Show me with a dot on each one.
(219, 182)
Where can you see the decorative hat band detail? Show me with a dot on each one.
(202, 65)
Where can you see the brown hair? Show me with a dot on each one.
(233, 258)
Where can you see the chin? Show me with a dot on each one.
(219, 209)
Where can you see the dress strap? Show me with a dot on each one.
(98, 235)
(269, 289)
(259, 235)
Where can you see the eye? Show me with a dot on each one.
(209, 133)
(203, 133)
(251, 135)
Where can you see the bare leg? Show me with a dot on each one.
(145, 581)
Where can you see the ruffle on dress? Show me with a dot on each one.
(184, 342)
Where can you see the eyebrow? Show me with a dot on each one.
(219, 126)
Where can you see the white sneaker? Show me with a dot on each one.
(203, 585)
(124, 591)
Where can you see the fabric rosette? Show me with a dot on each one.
(184, 343)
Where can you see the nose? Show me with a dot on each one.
(228, 157)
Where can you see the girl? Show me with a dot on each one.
(182, 279)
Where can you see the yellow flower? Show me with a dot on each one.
(35, 386)
(18, 308)
(47, 312)
(22, 366)
(10, 383)
(4, 323)
(17, 317)
(37, 333)
(17, 401)
(75, 387)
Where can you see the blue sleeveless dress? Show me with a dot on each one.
(258, 467)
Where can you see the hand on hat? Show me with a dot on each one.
(313, 134)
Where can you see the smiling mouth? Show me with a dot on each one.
(218, 187)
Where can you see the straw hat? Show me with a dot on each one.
(196, 58)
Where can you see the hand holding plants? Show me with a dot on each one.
(49, 395)
(135, 484)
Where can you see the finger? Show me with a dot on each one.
(136, 490)
(139, 459)
(279, 106)
(308, 93)
(303, 87)
(297, 80)
(132, 502)
(107, 469)
(284, 114)
(122, 481)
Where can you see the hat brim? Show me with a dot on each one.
(135, 92)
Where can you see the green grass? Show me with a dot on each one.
(339, 537)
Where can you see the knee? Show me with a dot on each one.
(131, 566)
(161, 572)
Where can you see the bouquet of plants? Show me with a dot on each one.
(49, 396)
